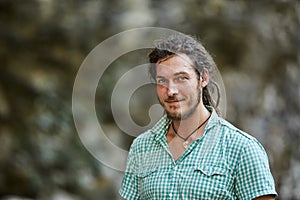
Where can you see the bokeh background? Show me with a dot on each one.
(256, 45)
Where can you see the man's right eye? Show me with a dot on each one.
(161, 81)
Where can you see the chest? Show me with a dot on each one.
(198, 181)
(177, 146)
(196, 175)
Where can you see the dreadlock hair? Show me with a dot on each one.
(176, 44)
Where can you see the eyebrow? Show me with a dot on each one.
(176, 74)
(181, 73)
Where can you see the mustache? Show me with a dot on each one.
(173, 98)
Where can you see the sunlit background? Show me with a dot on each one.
(256, 45)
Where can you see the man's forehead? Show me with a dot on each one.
(176, 58)
(174, 70)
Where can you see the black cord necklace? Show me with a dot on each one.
(185, 143)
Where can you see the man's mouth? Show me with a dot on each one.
(173, 101)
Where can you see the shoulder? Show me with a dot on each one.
(150, 136)
(228, 133)
(142, 140)
(236, 135)
(238, 143)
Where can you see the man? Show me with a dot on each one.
(192, 153)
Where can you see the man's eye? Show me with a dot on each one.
(181, 78)
(161, 81)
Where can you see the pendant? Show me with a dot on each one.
(185, 144)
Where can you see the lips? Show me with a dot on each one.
(173, 101)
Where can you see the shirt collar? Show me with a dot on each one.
(161, 127)
(214, 118)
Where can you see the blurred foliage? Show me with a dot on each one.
(256, 45)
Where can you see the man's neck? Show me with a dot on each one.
(186, 126)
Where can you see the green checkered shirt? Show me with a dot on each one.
(225, 163)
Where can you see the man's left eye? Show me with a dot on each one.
(181, 78)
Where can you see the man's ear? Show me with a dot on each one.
(204, 78)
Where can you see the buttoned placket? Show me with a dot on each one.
(175, 175)
(174, 171)
(173, 167)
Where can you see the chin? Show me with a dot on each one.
(173, 115)
(180, 115)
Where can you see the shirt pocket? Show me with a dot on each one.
(147, 182)
(206, 182)
(146, 172)
(211, 175)
(210, 171)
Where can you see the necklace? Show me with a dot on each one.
(185, 143)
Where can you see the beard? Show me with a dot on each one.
(181, 114)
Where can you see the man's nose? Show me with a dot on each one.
(172, 89)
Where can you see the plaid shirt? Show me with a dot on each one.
(225, 163)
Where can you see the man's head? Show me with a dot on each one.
(171, 54)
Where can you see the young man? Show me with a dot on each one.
(192, 153)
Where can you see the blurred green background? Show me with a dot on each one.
(256, 45)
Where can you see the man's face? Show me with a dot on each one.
(177, 86)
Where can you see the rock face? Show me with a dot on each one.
(256, 46)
